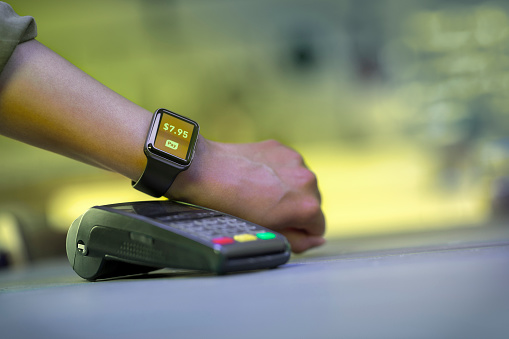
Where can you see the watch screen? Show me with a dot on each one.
(174, 136)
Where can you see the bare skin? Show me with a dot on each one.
(47, 102)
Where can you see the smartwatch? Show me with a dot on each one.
(169, 149)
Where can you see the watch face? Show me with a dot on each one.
(175, 136)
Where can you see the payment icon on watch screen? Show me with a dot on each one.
(172, 144)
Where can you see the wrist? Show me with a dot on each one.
(169, 148)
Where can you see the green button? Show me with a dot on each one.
(266, 235)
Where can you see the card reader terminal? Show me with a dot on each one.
(137, 237)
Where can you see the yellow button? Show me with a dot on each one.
(244, 237)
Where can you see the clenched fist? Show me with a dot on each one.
(266, 183)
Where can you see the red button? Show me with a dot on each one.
(223, 241)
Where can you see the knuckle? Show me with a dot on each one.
(309, 208)
(296, 156)
(307, 177)
(284, 152)
(310, 176)
(291, 156)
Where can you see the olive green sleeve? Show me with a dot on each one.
(14, 29)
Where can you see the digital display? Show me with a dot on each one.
(174, 136)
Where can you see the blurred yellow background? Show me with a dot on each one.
(399, 107)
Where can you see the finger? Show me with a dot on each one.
(300, 241)
(304, 214)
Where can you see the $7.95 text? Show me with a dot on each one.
(171, 128)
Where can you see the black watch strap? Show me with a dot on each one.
(156, 178)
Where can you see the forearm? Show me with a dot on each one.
(49, 103)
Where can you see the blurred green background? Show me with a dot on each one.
(399, 107)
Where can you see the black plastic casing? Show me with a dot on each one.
(107, 242)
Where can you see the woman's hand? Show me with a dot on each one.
(266, 183)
